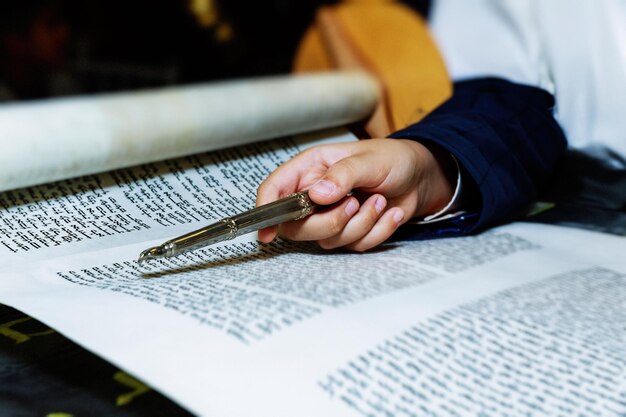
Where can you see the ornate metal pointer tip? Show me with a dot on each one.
(151, 253)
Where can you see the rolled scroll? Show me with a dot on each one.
(55, 139)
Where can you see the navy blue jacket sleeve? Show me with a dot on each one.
(506, 139)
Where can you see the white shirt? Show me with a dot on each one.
(575, 49)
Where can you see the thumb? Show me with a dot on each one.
(344, 176)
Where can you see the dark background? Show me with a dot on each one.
(57, 47)
(60, 47)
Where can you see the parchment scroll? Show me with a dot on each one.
(55, 139)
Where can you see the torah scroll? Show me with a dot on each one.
(56, 139)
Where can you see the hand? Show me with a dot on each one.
(397, 180)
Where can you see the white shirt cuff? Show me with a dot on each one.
(451, 209)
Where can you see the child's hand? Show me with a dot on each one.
(399, 179)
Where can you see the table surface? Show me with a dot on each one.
(44, 374)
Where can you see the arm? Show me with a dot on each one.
(503, 135)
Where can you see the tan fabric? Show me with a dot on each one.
(391, 42)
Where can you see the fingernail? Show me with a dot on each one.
(398, 216)
(379, 204)
(352, 207)
(323, 187)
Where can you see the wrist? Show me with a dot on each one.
(437, 177)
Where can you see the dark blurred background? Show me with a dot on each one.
(60, 47)
(56, 47)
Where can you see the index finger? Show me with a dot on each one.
(300, 172)
(282, 181)
(294, 175)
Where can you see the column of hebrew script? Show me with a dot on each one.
(134, 204)
(554, 347)
(251, 292)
